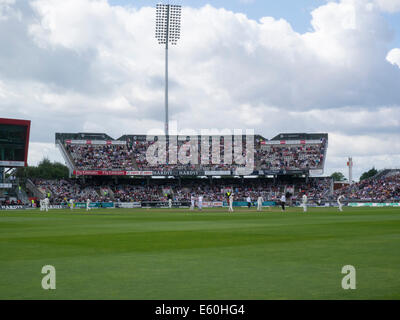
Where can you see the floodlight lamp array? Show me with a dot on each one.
(168, 23)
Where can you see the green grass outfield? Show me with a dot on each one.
(179, 254)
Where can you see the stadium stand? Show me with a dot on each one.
(101, 157)
(65, 189)
(181, 189)
(285, 153)
(383, 188)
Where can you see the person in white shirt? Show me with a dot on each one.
(339, 203)
(71, 204)
(259, 203)
(46, 202)
(41, 205)
(192, 202)
(231, 202)
(170, 203)
(283, 202)
(304, 198)
(200, 203)
(248, 202)
(88, 204)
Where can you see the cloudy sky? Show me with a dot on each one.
(272, 66)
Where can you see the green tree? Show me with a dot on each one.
(338, 176)
(369, 174)
(45, 170)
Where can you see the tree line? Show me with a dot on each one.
(44, 170)
(338, 176)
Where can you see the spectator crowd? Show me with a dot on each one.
(62, 190)
(386, 188)
(101, 157)
(133, 156)
(382, 189)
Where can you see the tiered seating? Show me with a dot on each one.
(63, 190)
(292, 157)
(101, 157)
(131, 155)
(384, 188)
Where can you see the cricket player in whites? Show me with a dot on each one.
(88, 204)
(259, 203)
(71, 204)
(304, 204)
(230, 202)
(46, 203)
(192, 202)
(200, 203)
(41, 201)
(339, 203)
(169, 201)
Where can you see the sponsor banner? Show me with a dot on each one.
(212, 204)
(373, 204)
(99, 173)
(253, 203)
(267, 203)
(12, 207)
(96, 142)
(280, 172)
(94, 205)
(276, 142)
(139, 173)
(128, 205)
(239, 171)
(217, 173)
(178, 173)
(164, 204)
(57, 206)
(12, 163)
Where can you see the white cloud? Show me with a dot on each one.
(84, 65)
(394, 56)
(6, 9)
(39, 151)
(389, 5)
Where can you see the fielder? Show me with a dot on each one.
(259, 203)
(88, 204)
(170, 203)
(339, 203)
(304, 204)
(192, 202)
(71, 204)
(46, 203)
(230, 202)
(200, 203)
(41, 205)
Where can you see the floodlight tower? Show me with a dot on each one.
(168, 29)
(350, 165)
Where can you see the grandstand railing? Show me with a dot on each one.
(67, 158)
(34, 189)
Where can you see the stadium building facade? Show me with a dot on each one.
(97, 154)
